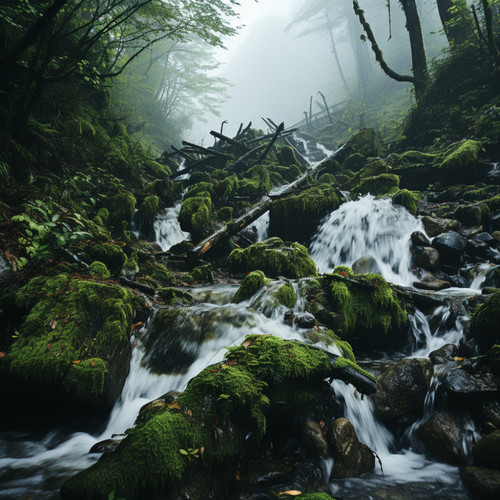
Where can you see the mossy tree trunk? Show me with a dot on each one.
(454, 17)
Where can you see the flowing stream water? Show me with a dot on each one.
(35, 466)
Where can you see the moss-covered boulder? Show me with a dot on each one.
(121, 207)
(286, 156)
(364, 142)
(484, 323)
(295, 217)
(274, 258)
(474, 215)
(72, 346)
(221, 412)
(99, 270)
(406, 199)
(194, 216)
(285, 295)
(372, 313)
(378, 185)
(249, 286)
(110, 254)
(460, 161)
(167, 191)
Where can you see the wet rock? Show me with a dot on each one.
(484, 324)
(430, 282)
(491, 275)
(450, 246)
(476, 214)
(486, 238)
(487, 450)
(108, 445)
(313, 439)
(469, 232)
(351, 458)
(488, 412)
(437, 225)
(462, 383)
(425, 257)
(166, 399)
(479, 248)
(418, 239)
(496, 235)
(441, 436)
(304, 320)
(482, 482)
(445, 353)
(366, 265)
(401, 390)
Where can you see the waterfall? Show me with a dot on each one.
(168, 229)
(367, 227)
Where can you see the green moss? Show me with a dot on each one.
(328, 179)
(289, 173)
(473, 215)
(460, 162)
(406, 199)
(411, 158)
(286, 156)
(202, 273)
(479, 194)
(220, 406)
(174, 296)
(99, 270)
(295, 217)
(103, 214)
(201, 188)
(367, 307)
(274, 258)
(157, 169)
(378, 185)
(121, 208)
(160, 273)
(285, 295)
(484, 323)
(111, 255)
(344, 271)
(181, 248)
(249, 286)
(364, 142)
(195, 215)
(148, 210)
(70, 322)
(225, 214)
(493, 202)
(313, 496)
(226, 188)
(168, 191)
(354, 162)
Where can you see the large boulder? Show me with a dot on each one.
(484, 324)
(437, 225)
(482, 482)
(364, 142)
(401, 390)
(72, 348)
(365, 265)
(451, 247)
(249, 286)
(274, 258)
(425, 257)
(351, 458)
(205, 430)
(487, 450)
(295, 217)
(441, 436)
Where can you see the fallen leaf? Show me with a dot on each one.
(189, 413)
(2, 355)
(292, 493)
(92, 363)
(246, 344)
(52, 324)
(202, 450)
(136, 325)
(214, 371)
(456, 358)
(76, 361)
(174, 406)
(232, 362)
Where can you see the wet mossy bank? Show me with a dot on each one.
(222, 412)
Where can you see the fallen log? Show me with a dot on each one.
(201, 150)
(227, 139)
(280, 129)
(192, 167)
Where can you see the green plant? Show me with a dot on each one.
(190, 453)
(47, 227)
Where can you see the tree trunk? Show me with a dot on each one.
(455, 26)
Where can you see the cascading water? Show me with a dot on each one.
(367, 227)
(167, 228)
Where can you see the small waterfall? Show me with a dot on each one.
(167, 228)
(365, 227)
(261, 226)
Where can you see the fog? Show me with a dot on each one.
(273, 72)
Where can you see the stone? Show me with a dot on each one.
(441, 437)
(430, 282)
(450, 246)
(463, 383)
(484, 323)
(108, 445)
(351, 458)
(486, 452)
(418, 239)
(469, 232)
(482, 482)
(496, 235)
(365, 265)
(425, 257)
(313, 439)
(446, 352)
(437, 225)
(304, 320)
(401, 389)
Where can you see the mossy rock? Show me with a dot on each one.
(252, 283)
(328, 179)
(194, 216)
(225, 214)
(484, 323)
(372, 313)
(228, 400)
(274, 258)
(480, 194)
(112, 255)
(295, 217)
(354, 162)
(167, 191)
(364, 142)
(202, 273)
(121, 208)
(289, 173)
(473, 215)
(378, 185)
(226, 188)
(148, 210)
(285, 295)
(74, 342)
(175, 296)
(181, 248)
(460, 163)
(99, 270)
(286, 156)
(406, 199)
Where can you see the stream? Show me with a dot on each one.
(34, 466)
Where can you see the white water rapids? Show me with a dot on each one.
(34, 465)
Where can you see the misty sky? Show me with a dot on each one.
(273, 73)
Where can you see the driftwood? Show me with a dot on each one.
(138, 286)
